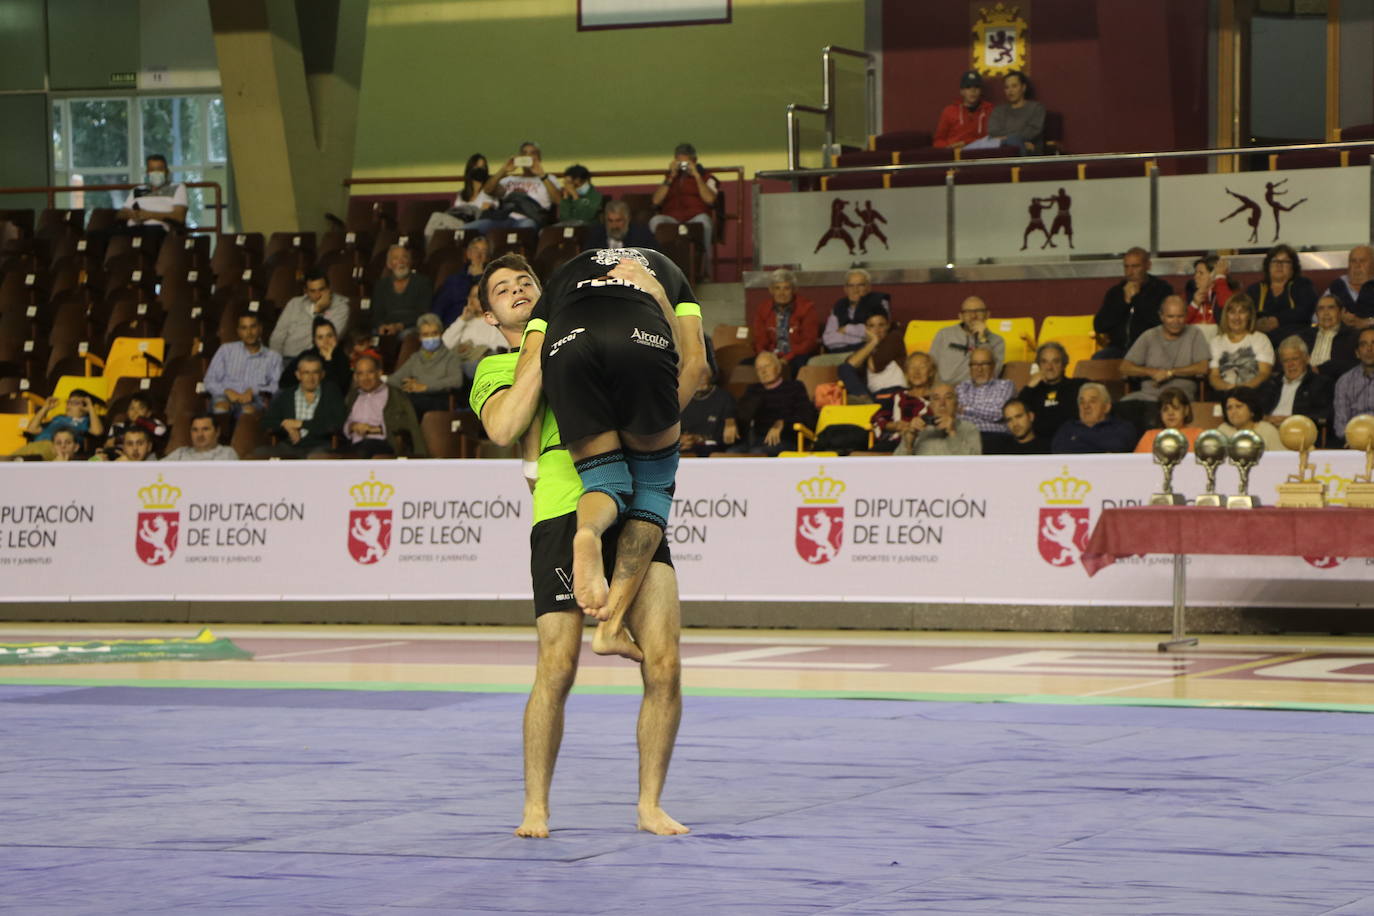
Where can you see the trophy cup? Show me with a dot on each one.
(1246, 449)
(1170, 447)
(1210, 450)
(1301, 490)
(1359, 435)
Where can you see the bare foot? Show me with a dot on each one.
(535, 824)
(604, 642)
(655, 820)
(589, 574)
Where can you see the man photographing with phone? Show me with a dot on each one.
(527, 194)
(687, 195)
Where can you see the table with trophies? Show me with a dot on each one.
(1301, 525)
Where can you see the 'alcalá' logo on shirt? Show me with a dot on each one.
(650, 339)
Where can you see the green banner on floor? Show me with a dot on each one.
(203, 647)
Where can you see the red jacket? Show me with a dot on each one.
(803, 331)
(959, 125)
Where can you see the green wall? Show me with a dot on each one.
(90, 39)
(443, 80)
(23, 57)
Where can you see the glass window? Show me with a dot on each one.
(219, 131)
(100, 133)
(59, 140)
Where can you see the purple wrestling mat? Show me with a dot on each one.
(208, 801)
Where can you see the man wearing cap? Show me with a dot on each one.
(966, 120)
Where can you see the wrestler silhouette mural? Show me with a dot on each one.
(840, 224)
(1063, 219)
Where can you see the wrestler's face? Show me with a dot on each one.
(512, 294)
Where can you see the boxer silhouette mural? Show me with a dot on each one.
(871, 218)
(838, 221)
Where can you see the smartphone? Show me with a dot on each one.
(684, 166)
(524, 162)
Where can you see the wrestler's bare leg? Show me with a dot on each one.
(596, 512)
(655, 618)
(560, 638)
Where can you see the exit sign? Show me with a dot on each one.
(129, 78)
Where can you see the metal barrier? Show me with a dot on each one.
(53, 190)
(828, 103)
(735, 170)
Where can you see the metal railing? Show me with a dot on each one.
(737, 171)
(53, 190)
(828, 102)
(795, 175)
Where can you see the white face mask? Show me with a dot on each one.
(157, 179)
(400, 273)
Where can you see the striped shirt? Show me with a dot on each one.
(982, 404)
(1354, 396)
(305, 407)
(233, 367)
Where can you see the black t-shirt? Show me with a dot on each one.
(1053, 405)
(584, 276)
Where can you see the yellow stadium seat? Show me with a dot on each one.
(1015, 332)
(128, 358)
(12, 426)
(1074, 333)
(919, 334)
(97, 385)
(835, 414)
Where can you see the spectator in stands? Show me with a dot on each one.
(966, 120)
(952, 345)
(305, 417)
(1131, 307)
(687, 195)
(1095, 430)
(454, 296)
(136, 445)
(432, 373)
(151, 208)
(844, 328)
(1355, 290)
(981, 396)
(243, 374)
(65, 446)
(945, 432)
(204, 445)
(770, 406)
(337, 371)
(295, 330)
(616, 230)
(1284, 299)
(1241, 355)
(1019, 121)
(472, 337)
(876, 369)
(1331, 341)
(140, 414)
(376, 412)
(1355, 389)
(1021, 437)
(1173, 354)
(1245, 410)
(582, 202)
(80, 417)
(708, 421)
(1175, 412)
(1051, 397)
(360, 344)
(786, 324)
(526, 193)
(400, 295)
(1208, 291)
(895, 415)
(472, 202)
(1299, 389)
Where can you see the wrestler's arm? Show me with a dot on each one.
(509, 413)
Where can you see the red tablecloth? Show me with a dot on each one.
(1335, 531)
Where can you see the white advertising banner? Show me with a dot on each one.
(830, 230)
(1322, 208)
(1042, 219)
(991, 530)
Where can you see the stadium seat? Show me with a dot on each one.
(1074, 333)
(447, 434)
(1208, 414)
(729, 357)
(835, 414)
(723, 335)
(1018, 372)
(12, 426)
(522, 241)
(248, 435)
(134, 357)
(920, 333)
(740, 378)
(1019, 335)
(811, 376)
(96, 385)
(1106, 371)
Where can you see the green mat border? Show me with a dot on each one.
(1041, 699)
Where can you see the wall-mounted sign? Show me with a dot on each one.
(1000, 38)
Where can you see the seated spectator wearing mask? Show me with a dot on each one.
(376, 412)
(295, 329)
(433, 372)
(1245, 411)
(616, 230)
(944, 432)
(204, 445)
(337, 371)
(80, 417)
(453, 296)
(786, 325)
(472, 336)
(770, 406)
(965, 121)
(400, 295)
(152, 208)
(472, 202)
(1175, 412)
(581, 203)
(1095, 430)
(844, 328)
(876, 369)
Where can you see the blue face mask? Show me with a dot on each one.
(431, 343)
(584, 190)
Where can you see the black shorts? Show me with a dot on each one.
(609, 364)
(551, 554)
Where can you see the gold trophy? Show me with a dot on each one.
(1301, 490)
(1246, 449)
(1359, 435)
(1170, 447)
(1210, 450)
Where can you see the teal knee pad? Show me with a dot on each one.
(655, 477)
(607, 473)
